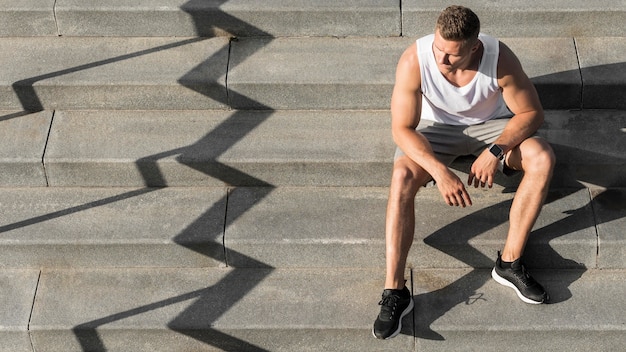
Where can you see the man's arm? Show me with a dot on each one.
(406, 105)
(521, 98)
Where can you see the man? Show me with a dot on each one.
(460, 92)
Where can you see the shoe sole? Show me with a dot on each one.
(408, 309)
(502, 281)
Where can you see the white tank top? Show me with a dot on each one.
(476, 102)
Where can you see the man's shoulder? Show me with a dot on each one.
(408, 70)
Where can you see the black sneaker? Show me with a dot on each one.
(395, 304)
(517, 278)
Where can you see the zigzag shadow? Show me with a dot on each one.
(206, 17)
(203, 309)
(87, 333)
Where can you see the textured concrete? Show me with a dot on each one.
(610, 210)
(208, 310)
(344, 227)
(533, 18)
(118, 227)
(232, 17)
(17, 292)
(315, 73)
(313, 310)
(200, 148)
(589, 145)
(27, 18)
(603, 70)
(112, 73)
(563, 237)
(307, 227)
(358, 73)
(291, 227)
(297, 73)
(288, 148)
(552, 65)
(22, 144)
(456, 309)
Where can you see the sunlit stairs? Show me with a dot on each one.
(212, 175)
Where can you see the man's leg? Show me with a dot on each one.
(536, 159)
(396, 300)
(406, 180)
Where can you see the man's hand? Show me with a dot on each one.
(483, 170)
(452, 189)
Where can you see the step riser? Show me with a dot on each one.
(321, 18)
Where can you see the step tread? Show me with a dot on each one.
(298, 73)
(273, 309)
(295, 227)
(75, 227)
(116, 73)
(324, 148)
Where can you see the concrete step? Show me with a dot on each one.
(119, 227)
(279, 18)
(272, 74)
(358, 73)
(271, 148)
(306, 310)
(293, 227)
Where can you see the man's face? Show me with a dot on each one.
(451, 55)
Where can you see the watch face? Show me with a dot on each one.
(496, 151)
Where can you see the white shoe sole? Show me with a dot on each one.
(408, 309)
(502, 281)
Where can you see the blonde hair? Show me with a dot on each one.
(458, 23)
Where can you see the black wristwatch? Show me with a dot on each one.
(496, 151)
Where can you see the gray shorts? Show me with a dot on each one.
(450, 142)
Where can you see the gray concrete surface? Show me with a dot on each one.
(456, 309)
(276, 241)
(562, 18)
(234, 17)
(603, 71)
(292, 227)
(263, 73)
(313, 310)
(288, 148)
(17, 292)
(108, 73)
(533, 18)
(111, 227)
(27, 18)
(23, 139)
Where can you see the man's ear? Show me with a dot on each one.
(475, 46)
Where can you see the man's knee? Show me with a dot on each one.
(408, 178)
(539, 157)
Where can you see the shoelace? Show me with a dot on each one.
(524, 278)
(389, 304)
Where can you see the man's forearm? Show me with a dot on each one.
(521, 127)
(417, 148)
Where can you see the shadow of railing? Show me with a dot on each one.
(211, 148)
(202, 309)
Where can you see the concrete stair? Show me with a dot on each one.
(212, 176)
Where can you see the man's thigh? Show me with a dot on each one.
(448, 142)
